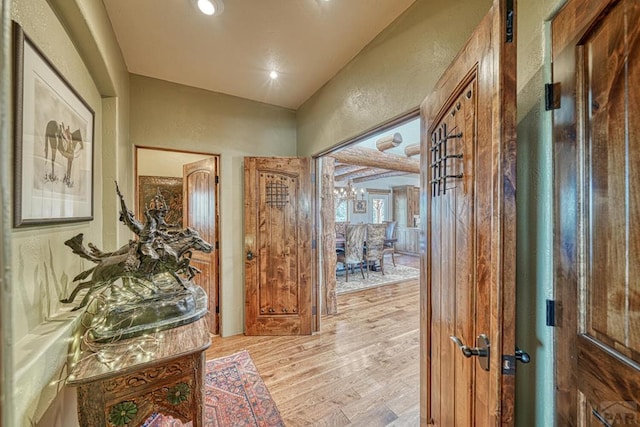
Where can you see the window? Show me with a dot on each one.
(379, 210)
(341, 209)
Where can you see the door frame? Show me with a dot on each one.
(316, 168)
(216, 244)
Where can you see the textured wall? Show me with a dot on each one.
(535, 402)
(168, 115)
(42, 267)
(391, 75)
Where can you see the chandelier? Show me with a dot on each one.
(348, 193)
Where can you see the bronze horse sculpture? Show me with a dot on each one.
(60, 139)
(155, 251)
(112, 266)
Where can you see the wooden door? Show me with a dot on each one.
(468, 217)
(596, 62)
(200, 212)
(277, 228)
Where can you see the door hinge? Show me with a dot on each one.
(552, 92)
(217, 245)
(313, 178)
(510, 19)
(313, 244)
(314, 310)
(217, 179)
(551, 313)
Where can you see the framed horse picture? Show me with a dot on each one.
(54, 128)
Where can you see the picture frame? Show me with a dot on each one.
(170, 188)
(359, 206)
(53, 146)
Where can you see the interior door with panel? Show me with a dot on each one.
(278, 258)
(596, 71)
(468, 219)
(200, 212)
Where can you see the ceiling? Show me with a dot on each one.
(306, 41)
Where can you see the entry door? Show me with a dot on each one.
(277, 229)
(468, 200)
(200, 212)
(596, 61)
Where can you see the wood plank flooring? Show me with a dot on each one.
(362, 369)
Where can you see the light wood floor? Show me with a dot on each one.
(362, 369)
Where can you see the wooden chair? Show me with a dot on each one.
(390, 244)
(375, 245)
(353, 248)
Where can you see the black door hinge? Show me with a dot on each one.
(551, 313)
(217, 245)
(510, 19)
(552, 92)
(217, 179)
(313, 244)
(314, 310)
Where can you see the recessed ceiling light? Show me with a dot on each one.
(210, 7)
(273, 74)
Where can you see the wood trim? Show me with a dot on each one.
(576, 16)
(327, 217)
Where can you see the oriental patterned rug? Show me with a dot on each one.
(392, 275)
(235, 396)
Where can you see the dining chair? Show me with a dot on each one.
(375, 245)
(353, 248)
(390, 241)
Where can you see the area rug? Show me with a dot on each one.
(235, 396)
(399, 273)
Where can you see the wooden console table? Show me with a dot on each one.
(167, 378)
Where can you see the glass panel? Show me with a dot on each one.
(379, 209)
(341, 209)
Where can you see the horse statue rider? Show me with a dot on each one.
(152, 236)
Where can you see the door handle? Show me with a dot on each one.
(250, 255)
(481, 350)
(522, 356)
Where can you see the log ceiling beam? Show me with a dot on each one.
(375, 159)
(387, 174)
(342, 168)
(412, 150)
(359, 173)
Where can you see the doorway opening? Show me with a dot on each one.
(371, 182)
(188, 181)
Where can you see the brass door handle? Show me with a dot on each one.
(481, 350)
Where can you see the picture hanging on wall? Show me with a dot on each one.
(171, 190)
(360, 206)
(54, 131)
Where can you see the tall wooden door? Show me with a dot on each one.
(200, 212)
(468, 201)
(596, 65)
(277, 229)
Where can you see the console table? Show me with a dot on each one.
(164, 375)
